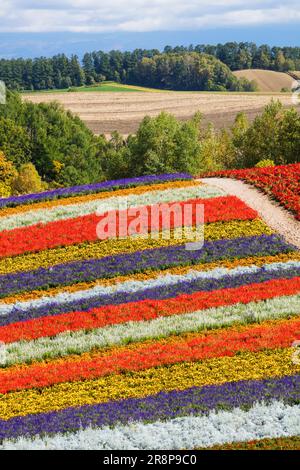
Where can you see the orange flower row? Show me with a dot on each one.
(96, 196)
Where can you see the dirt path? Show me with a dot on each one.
(271, 212)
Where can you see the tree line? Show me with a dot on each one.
(42, 73)
(166, 68)
(43, 146)
(247, 55)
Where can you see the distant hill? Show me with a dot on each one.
(267, 80)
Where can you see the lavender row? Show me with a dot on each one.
(162, 406)
(151, 259)
(91, 188)
(164, 292)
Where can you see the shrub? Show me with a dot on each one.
(265, 164)
(7, 175)
(28, 180)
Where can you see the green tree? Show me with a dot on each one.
(188, 156)
(289, 137)
(77, 74)
(243, 60)
(279, 61)
(152, 149)
(115, 157)
(238, 132)
(43, 133)
(289, 65)
(265, 138)
(14, 141)
(163, 144)
(262, 58)
(217, 151)
(88, 68)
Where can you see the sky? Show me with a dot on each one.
(29, 27)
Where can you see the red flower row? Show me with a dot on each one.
(280, 182)
(87, 228)
(195, 347)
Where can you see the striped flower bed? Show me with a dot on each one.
(137, 342)
(90, 188)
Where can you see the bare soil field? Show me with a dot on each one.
(106, 112)
(267, 80)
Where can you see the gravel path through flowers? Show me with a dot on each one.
(271, 212)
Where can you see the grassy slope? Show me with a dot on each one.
(103, 87)
(113, 88)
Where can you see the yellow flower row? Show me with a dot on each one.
(244, 366)
(181, 270)
(48, 258)
(95, 196)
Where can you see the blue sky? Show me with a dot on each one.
(33, 28)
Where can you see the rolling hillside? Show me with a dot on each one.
(267, 80)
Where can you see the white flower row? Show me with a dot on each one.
(134, 286)
(259, 422)
(114, 335)
(109, 204)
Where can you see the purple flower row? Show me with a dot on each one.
(162, 406)
(164, 292)
(91, 188)
(151, 259)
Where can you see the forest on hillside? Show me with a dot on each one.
(208, 67)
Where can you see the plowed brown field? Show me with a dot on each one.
(106, 112)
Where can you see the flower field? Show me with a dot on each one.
(281, 182)
(134, 340)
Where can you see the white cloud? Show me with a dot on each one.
(141, 15)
